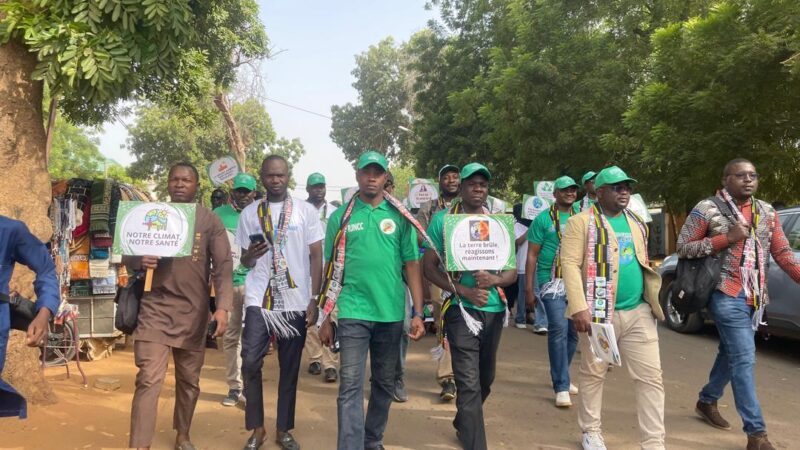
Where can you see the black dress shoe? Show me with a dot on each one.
(286, 441)
(253, 444)
(315, 368)
(379, 447)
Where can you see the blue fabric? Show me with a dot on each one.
(562, 340)
(18, 245)
(736, 359)
(382, 341)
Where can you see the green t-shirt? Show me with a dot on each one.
(230, 220)
(436, 233)
(379, 241)
(542, 232)
(630, 287)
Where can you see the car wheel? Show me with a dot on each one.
(682, 323)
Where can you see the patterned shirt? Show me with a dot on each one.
(704, 233)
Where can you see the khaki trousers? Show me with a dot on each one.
(232, 341)
(318, 352)
(151, 359)
(444, 370)
(637, 338)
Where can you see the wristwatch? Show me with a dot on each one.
(418, 314)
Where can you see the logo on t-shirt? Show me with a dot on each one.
(626, 249)
(388, 226)
(355, 227)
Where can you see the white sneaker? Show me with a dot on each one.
(593, 440)
(540, 330)
(563, 400)
(521, 326)
(573, 390)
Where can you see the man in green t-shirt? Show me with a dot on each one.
(544, 243)
(473, 357)
(608, 280)
(244, 187)
(380, 242)
(590, 195)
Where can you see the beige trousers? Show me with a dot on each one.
(318, 352)
(637, 338)
(232, 341)
(151, 359)
(444, 370)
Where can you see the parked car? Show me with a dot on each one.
(783, 311)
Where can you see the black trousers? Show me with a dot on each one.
(474, 360)
(255, 342)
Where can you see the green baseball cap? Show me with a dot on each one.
(473, 168)
(372, 157)
(612, 175)
(565, 182)
(447, 168)
(588, 176)
(244, 181)
(315, 178)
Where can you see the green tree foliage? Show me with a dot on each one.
(163, 136)
(724, 85)
(381, 118)
(93, 53)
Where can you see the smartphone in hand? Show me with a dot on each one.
(257, 238)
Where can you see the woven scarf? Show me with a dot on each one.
(281, 280)
(555, 286)
(753, 260)
(334, 271)
(101, 206)
(599, 282)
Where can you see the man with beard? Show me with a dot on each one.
(449, 184)
(244, 187)
(173, 316)
(477, 298)
(609, 280)
(281, 238)
(369, 243)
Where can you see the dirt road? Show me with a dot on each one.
(519, 413)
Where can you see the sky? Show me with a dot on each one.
(316, 43)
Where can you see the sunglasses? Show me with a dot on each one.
(743, 175)
(621, 188)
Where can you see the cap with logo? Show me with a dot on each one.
(447, 168)
(244, 181)
(612, 175)
(315, 179)
(565, 182)
(475, 168)
(372, 157)
(588, 176)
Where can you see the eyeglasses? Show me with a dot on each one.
(743, 175)
(621, 188)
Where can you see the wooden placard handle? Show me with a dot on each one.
(148, 280)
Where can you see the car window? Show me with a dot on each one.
(791, 228)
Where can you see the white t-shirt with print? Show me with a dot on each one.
(305, 229)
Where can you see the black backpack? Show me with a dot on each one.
(697, 278)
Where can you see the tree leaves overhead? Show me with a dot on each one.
(94, 53)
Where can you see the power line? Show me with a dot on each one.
(299, 108)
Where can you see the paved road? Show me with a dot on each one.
(519, 413)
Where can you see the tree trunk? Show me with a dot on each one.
(235, 143)
(25, 195)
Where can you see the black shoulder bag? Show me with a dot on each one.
(127, 300)
(22, 311)
(696, 278)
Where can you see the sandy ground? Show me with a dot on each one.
(519, 413)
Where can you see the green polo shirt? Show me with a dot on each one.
(436, 233)
(379, 241)
(230, 220)
(542, 232)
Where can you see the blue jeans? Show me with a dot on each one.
(562, 340)
(736, 359)
(539, 313)
(382, 341)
